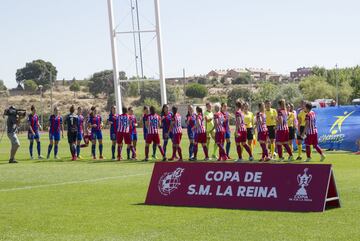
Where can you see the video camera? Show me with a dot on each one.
(12, 111)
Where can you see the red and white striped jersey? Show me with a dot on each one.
(133, 123)
(282, 120)
(123, 122)
(199, 125)
(239, 121)
(311, 123)
(261, 122)
(154, 121)
(219, 120)
(176, 121)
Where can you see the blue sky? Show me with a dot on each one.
(197, 35)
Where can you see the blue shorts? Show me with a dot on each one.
(191, 134)
(227, 135)
(112, 136)
(79, 136)
(32, 136)
(145, 133)
(54, 136)
(170, 136)
(134, 137)
(96, 135)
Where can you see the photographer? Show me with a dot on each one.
(13, 121)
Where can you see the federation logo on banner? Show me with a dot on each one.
(303, 182)
(170, 181)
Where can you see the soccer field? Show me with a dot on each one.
(103, 200)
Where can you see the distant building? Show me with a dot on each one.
(275, 78)
(234, 73)
(217, 74)
(301, 73)
(260, 74)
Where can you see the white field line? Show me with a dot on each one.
(70, 182)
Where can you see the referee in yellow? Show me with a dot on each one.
(210, 128)
(249, 123)
(301, 126)
(271, 115)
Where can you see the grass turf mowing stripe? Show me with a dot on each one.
(71, 182)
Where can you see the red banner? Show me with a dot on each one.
(287, 187)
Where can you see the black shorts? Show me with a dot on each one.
(271, 130)
(250, 134)
(291, 133)
(302, 128)
(72, 137)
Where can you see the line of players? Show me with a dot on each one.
(275, 129)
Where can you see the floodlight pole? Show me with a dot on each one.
(114, 58)
(160, 56)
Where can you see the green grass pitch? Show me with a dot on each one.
(103, 200)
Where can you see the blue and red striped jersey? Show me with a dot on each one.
(33, 121)
(95, 120)
(55, 124)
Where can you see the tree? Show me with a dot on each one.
(267, 91)
(102, 82)
(30, 85)
(238, 93)
(202, 80)
(152, 90)
(40, 71)
(242, 79)
(355, 83)
(122, 75)
(2, 85)
(152, 102)
(315, 87)
(196, 91)
(290, 92)
(75, 87)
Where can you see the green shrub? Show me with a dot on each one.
(30, 85)
(196, 91)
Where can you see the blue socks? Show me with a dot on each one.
(228, 148)
(101, 149)
(31, 148)
(128, 152)
(38, 148)
(113, 147)
(49, 150)
(77, 150)
(56, 147)
(191, 150)
(165, 144)
(93, 150)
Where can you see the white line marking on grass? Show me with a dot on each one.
(70, 182)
